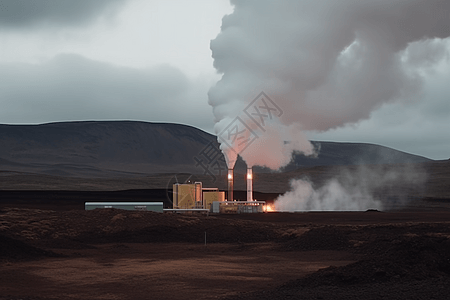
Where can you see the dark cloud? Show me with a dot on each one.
(26, 13)
(71, 87)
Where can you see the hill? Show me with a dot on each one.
(130, 148)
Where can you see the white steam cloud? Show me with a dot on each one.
(356, 190)
(324, 64)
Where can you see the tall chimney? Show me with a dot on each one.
(230, 185)
(249, 184)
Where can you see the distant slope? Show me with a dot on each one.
(332, 153)
(121, 148)
(113, 148)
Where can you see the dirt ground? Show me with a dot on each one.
(115, 254)
(159, 271)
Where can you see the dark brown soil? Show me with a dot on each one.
(13, 249)
(396, 262)
(115, 254)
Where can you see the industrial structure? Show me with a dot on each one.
(230, 184)
(145, 206)
(249, 184)
(193, 197)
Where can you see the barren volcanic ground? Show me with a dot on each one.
(115, 254)
(50, 248)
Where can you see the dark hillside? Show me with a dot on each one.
(129, 148)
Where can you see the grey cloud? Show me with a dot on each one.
(425, 53)
(421, 127)
(295, 51)
(396, 22)
(71, 87)
(325, 63)
(26, 13)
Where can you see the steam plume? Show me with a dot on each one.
(324, 63)
(355, 190)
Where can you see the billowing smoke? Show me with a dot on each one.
(355, 190)
(321, 64)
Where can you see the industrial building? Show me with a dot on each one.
(193, 197)
(142, 206)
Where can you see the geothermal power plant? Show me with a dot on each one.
(193, 197)
(189, 197)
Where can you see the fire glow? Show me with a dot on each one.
(269, 208)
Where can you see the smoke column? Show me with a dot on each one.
(324, 63)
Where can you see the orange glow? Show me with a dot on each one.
(230, 176)
(269, 208)
(249, 176)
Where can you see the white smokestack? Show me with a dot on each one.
(230, 184)
(249, 184)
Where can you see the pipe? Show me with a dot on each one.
(230, 185)
(249, 184)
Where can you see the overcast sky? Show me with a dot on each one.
(151, 60)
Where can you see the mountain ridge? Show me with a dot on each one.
(124, 148)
